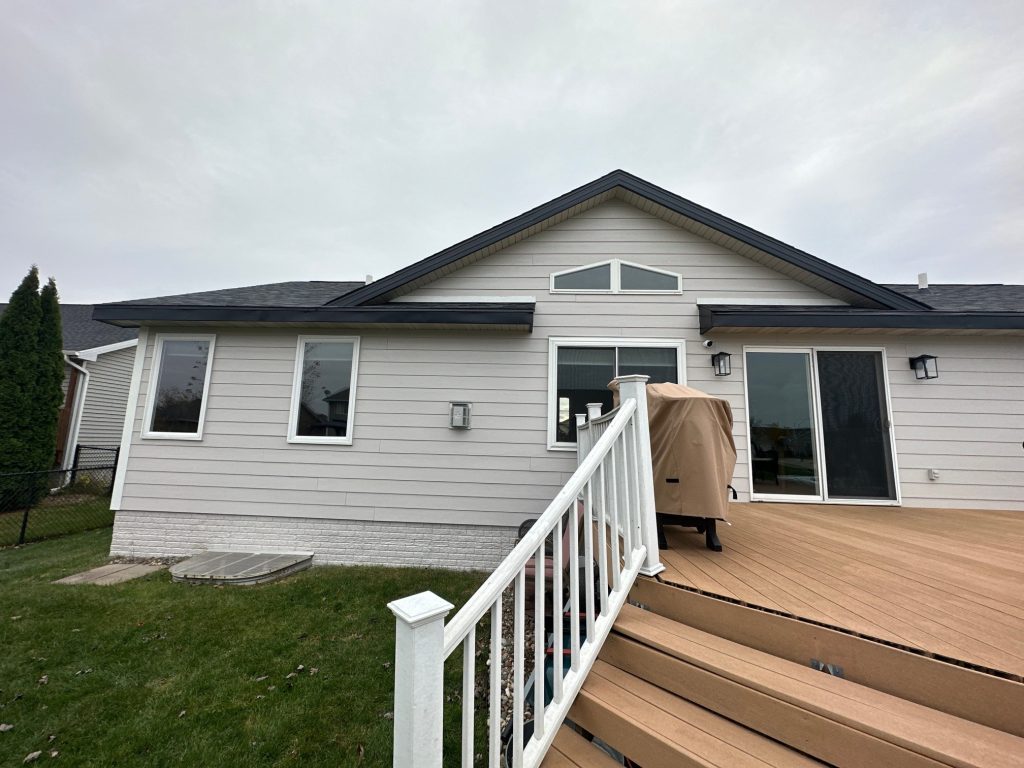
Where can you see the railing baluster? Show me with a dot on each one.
(588, 554)
(494, 734)
(468, 696)
(574, 586)
(538, 642)
(627, 497)
(602, 538)
(557, 604)
(616, 509)
(628, 442)
(519, 651)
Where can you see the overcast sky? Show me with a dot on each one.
(149, 148)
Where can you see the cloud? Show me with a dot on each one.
(164, 147)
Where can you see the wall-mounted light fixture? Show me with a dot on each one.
(925, 366)
(721, 363)
(459, 415)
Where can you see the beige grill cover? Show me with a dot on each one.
(691, 442)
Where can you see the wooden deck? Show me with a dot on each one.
(946, 582)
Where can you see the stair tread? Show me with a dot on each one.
(571, 750)
(656, 727)
(930, 733)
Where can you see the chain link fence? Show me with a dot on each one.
(41, 505)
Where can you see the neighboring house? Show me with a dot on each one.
(97, 373)
(316, 416)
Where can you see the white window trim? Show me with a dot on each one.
(154, 377)
(823, 496)
(293, 412)
(616, 279)
(554, 342)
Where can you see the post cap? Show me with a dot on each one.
(632, 377)
(419, 609)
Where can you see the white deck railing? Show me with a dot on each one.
(608, 504)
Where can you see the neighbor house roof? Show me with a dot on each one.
(81, 332)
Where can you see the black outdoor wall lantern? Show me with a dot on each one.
(720, 362)
(925, 366)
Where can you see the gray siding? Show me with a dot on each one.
(406, 465)
(105, 401)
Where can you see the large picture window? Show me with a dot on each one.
(580, 370)
(323, 394)
(179, 381)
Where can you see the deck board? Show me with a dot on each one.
(944, 581)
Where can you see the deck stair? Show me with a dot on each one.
(665, 693)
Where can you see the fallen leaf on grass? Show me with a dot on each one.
(15, 618)
(291, 674)
(181, 714)
(300, 668)
(388, 715)
(54, 753)
(314, 670)
(261, 678)
(31, 757)
(5, 727)
(44, 679)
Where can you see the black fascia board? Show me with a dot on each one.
(712, 317)
(434, 313)
(844, 278)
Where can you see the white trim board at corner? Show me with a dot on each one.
(592, 341)
(131, 408)
(92, 354)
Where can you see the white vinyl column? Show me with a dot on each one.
(419, 679)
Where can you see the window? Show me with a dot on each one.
(180, 377)
(580, 370)
(615, 276)
(323, 393)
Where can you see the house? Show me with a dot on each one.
(843, 390)
(97, 374)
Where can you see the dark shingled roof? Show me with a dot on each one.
(297, 293)
(82, 332)
(965, 297)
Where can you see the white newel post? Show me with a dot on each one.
(419, 679)
(593, 411)
(635, 388)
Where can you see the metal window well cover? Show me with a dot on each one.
(240, 568)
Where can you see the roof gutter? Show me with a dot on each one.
(720, 317)
(517, 314)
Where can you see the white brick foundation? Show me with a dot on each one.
(336, 542)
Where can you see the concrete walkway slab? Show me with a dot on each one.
(115, 573)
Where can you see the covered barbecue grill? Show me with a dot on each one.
(693, 455)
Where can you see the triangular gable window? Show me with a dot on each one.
(615, 276)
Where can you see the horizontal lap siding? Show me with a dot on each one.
(405, 464)
(110, 376)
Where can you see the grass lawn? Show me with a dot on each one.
(153, 673)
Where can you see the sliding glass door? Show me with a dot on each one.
(819, 425)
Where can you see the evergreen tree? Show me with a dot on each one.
(49, 394)
(19, 372)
